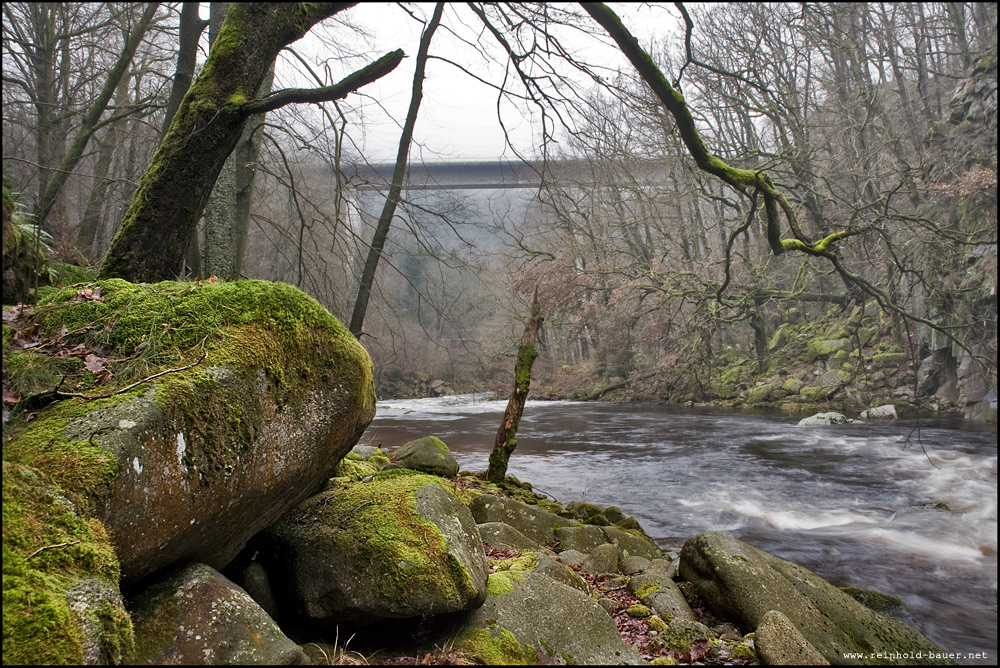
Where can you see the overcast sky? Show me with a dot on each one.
(458, 116)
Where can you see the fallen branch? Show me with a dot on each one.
(616, 386)
(49, 547)
(37, 401)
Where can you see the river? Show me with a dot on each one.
(851, 502)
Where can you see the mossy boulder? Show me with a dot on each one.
(743, 584)
(766, 392)
(197, 616)
(663, 595)
(190, 464)
(399, 546)
(534, 522)
(632, 543)
(890, 359)
(584, 538)
(779, 338)
(823, 348)
(503, 536)
(532, 616)
(60, 578)
(428, 454)
(602, 559)
(817, 394)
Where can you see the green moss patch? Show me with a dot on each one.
(38, 624)
(494, 646)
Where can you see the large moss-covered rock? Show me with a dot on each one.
(60, 579)
(428, 454)
(197, 617)
(529, 616)
(743, 584)
(192, 463)
(398, 546)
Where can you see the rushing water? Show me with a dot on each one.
(850, 502)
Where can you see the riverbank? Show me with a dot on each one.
(663, 604)
(837, 361)
(849, 501)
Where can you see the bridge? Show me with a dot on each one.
(498, 175)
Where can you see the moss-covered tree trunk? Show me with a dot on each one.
(506, 439)
(172, 194)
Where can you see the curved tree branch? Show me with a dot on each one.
(337, 91)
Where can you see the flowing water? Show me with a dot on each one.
(853, 503)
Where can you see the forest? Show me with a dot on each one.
(717, 181)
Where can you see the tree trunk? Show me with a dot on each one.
(227, 216)
(506, 439)
(396, 187)
(172, 194)
(87, 235)
(189, 33)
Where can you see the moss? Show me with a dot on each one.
(638, 610)
(524, 563)
(494, 646)
(502, 582)
(352, 469)
(157, 616)
(38, 624)
(817, 394)
(657, 624)
(742, 650)
(631, 525)
(646, 588)
(884, 603)
(81, 468)
(889, 359)
(386, 531)
(679, 639)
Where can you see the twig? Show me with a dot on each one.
(66, 395)
(43, 399)
(46, 547)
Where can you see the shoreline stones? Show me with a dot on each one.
(746, 584)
